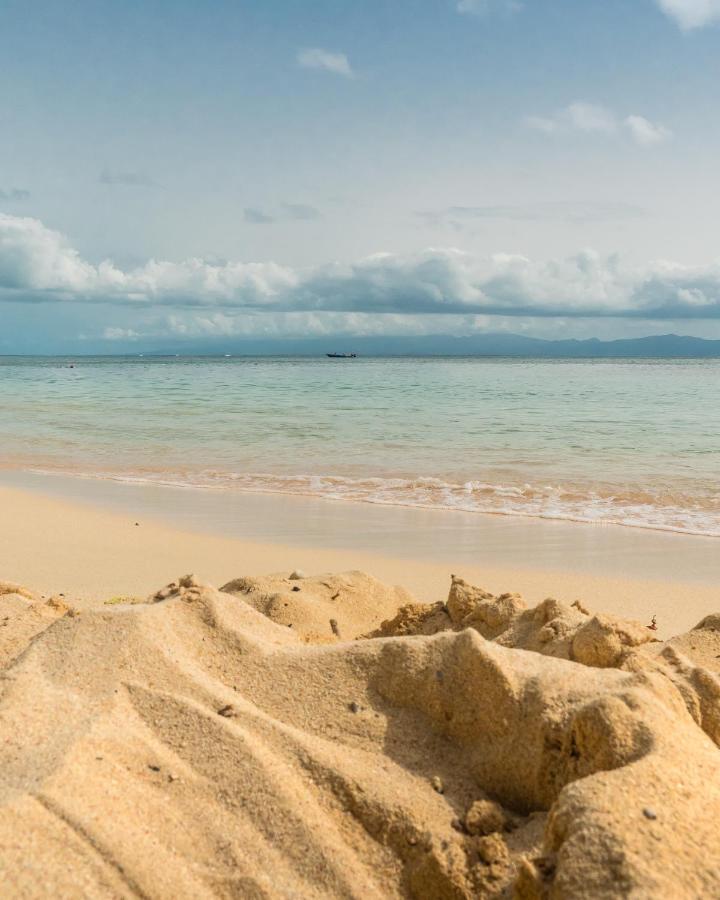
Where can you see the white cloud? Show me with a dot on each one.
(120, 334)
(316, 58)
(691, 14)
(577, 116)
(38, 264)
(589, 118)
(643, 131)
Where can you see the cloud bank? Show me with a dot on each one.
(589, 118)
(691, 14)
(37, 264)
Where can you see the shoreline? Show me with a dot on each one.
(346, 489)
(88, 547)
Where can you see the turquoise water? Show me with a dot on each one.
(628, 442)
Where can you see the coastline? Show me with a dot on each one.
(81, 539)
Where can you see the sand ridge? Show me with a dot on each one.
(235, 743)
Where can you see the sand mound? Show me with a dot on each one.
(322, 608)
(22, 616)
(552, 628)
(198, 747)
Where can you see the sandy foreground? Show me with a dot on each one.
(331, 735)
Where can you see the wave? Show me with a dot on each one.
(659, 510)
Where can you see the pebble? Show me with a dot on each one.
(438, 785)
(649, 813)
(297, 575)
(227, 711)
(335, 627)
(354, 707)
(296, 588)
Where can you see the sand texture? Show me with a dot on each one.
(330, 737)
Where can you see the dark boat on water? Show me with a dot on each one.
(341, 355)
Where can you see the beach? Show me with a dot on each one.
(371, 683)
(81, 537)
(358, 724)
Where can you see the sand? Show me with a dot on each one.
(54, 545)
(328, 735)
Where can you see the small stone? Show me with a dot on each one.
(189, 581)
(649, 813)
(297, 575)
(493, 850)
(485, 817)
(354, 707)
(296, 588)
(153, 767)
(412, 839)
(172, 777)
(335, 628)
(437, 784)
(227, 711)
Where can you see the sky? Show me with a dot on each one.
(174, 170)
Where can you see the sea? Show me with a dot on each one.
(626, 442)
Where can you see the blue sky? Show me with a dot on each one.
(185, 169)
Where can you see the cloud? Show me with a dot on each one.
(315, 58)
(691, 14)
(130, 179)
(645, 132)
(120, 334)
(288, 212)
(579, 116)
(484, 7)
(37, 264)
(590, 118)
(13, 195)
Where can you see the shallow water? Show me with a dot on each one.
(620, 441)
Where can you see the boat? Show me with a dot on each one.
(341, 355)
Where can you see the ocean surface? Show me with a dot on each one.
(634, 443)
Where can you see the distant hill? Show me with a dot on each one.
(501, 344)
